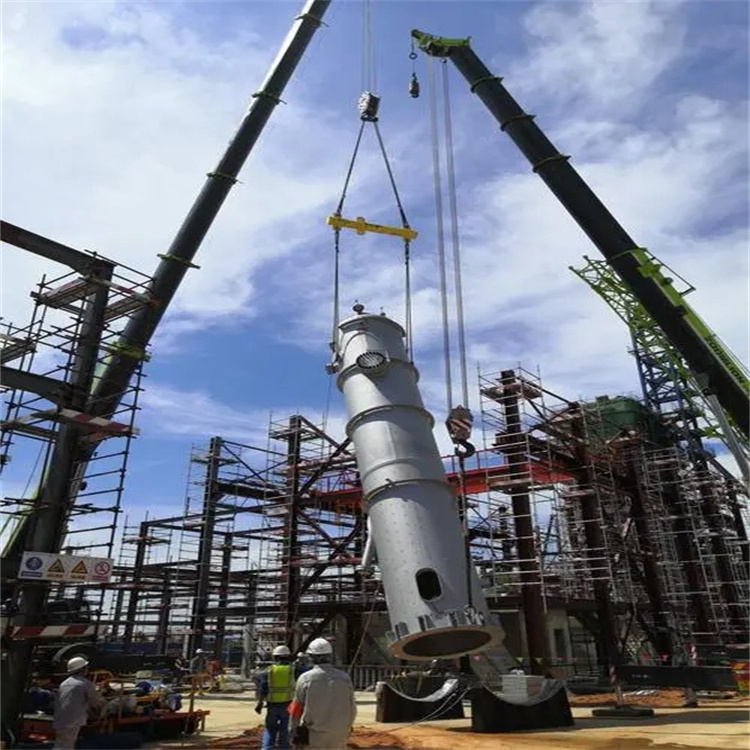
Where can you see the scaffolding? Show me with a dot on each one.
(640, 540)
(580, 531)
(49, 370)
(267, 550)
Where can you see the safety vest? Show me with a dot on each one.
(280, 683)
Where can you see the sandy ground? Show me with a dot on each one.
(715, 724)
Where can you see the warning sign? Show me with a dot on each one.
(100, 569)
(79, 571)
(43, 566)
(56, 570)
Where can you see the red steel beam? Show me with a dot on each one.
(476, 481)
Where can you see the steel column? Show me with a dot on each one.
(211, 497)
(290, 571)
(531, 578)
(46, 527)
(224, 580)
(135, 590)
(595, 546)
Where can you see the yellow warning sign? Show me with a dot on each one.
(56, 567)
(79, 569)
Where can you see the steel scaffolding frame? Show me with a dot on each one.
(266, 545)
(49, 369)
(564, 514)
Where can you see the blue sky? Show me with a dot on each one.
(114, 111)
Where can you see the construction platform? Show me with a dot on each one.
(719, 724)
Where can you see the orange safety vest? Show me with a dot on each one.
(280, 683)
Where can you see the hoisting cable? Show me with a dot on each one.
(440, 234)
(459, 422)
(368, 105)
(456, 247)
(337, 235)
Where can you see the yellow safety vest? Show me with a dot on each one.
(280, 683)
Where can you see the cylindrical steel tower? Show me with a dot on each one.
(435, 604)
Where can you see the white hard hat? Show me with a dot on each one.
(76, 664)
(301, 654)
(199, 651)
(281, 651)
(320, 647)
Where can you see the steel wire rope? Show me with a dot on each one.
(440, 232)
(407, 245)
(337, 238)
(456, 245)
(408, 313)
(453, 212)
(437, 711)
(375, 594)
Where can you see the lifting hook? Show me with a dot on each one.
(414, 86)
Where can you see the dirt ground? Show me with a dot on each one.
(715, 724)
(643, 698)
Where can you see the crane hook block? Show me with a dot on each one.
(368, 106)
(459, 424)
(465, 449)
(414, 86)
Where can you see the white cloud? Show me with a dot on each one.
(123, 133)
(170, 411)
(610, 52)
(121, 138)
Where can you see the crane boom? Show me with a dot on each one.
(176, 261)
(45, 528)
(712, 365)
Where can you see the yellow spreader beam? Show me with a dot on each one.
(360, 226)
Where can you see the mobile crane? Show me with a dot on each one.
(712, 365)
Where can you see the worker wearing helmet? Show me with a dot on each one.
(75, 697)
(323, 709)
(199, 662)
(302, 663)
(276, 689)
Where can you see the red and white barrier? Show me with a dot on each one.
(25, 632)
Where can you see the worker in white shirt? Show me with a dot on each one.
(75, 697)
(323, 710)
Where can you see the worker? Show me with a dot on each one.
(199, 662)
(75, 697)
(323, 710)
(276, 689)
(198, 667)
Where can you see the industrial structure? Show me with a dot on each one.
(595, 533)
(597, 540)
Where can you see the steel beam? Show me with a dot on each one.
(79, 261)
(55, 390)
